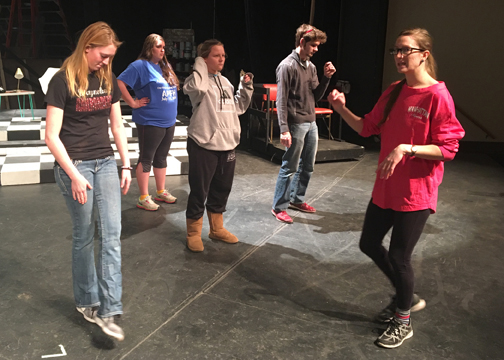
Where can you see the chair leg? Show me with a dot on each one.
(330, 133)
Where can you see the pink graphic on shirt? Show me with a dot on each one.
(93, 104)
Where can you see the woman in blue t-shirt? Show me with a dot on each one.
(154, 111)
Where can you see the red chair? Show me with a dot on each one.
(269, 106)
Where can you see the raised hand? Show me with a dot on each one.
(329, 69)
(336, 99)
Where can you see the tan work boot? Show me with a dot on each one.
(194, 242)
(217, 230)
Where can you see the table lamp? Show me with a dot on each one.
(18, 75)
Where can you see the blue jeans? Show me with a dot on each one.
(297, 166)
(100, 284)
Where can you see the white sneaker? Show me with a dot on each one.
(110, 327)
(166, 197)
(89, 313)
(147, 204)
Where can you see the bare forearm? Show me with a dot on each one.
(125, 93)
(350, 118)
(61, 156)
(428, 152)
(121, 143)
(54, 121)
(117, 128)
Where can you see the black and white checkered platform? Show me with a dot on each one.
(25, 159)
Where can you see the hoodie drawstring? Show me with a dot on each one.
(223, 93)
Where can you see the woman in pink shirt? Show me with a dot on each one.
(415, 118)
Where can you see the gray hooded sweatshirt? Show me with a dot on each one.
(214, 123)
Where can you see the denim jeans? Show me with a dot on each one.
(297, 166)
(100, 284)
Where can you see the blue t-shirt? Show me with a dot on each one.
(146, 79)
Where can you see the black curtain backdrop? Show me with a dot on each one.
(257, 35)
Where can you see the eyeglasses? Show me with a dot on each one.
(404, 50)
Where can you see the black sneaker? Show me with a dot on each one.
(388, 312)
(395, 334)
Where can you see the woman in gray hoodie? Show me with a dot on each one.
(213, 134)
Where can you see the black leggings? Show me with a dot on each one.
(211, 176)
(154, 143)
(395, 263)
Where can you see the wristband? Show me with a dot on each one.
(126, 168)
(413, 150)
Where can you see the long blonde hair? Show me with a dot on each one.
(146, 54)
(76, 65)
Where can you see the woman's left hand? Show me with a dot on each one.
(246, 78)
(125, 180)
(387, 166)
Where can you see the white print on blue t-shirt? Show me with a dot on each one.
(169, 95)
(146, 79)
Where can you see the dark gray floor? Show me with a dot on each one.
(301, 291)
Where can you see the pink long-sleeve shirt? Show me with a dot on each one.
(419, 117)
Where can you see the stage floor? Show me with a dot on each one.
(300, 291)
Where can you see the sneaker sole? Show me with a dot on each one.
(298, 209)
(382, 321)
(118, 337)
(409, 336)
(168, 202)
(419, 306)
(144, 208)
(282, 221)
(91, 320)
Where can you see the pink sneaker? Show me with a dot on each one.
(304, 207)
(282, 216)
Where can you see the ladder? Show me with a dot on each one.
(44, 22)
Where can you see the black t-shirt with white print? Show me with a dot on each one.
(84, 131)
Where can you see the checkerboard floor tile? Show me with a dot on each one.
(34, 164)
(18, 130)
(35, 169)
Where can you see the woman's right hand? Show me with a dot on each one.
(79, 188)
(138, 103)
(336, 99)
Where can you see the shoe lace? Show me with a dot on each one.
(394, 328)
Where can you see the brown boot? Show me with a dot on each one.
(217, 230)
(194, 242)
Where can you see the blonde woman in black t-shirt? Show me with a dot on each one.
(81, 98)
